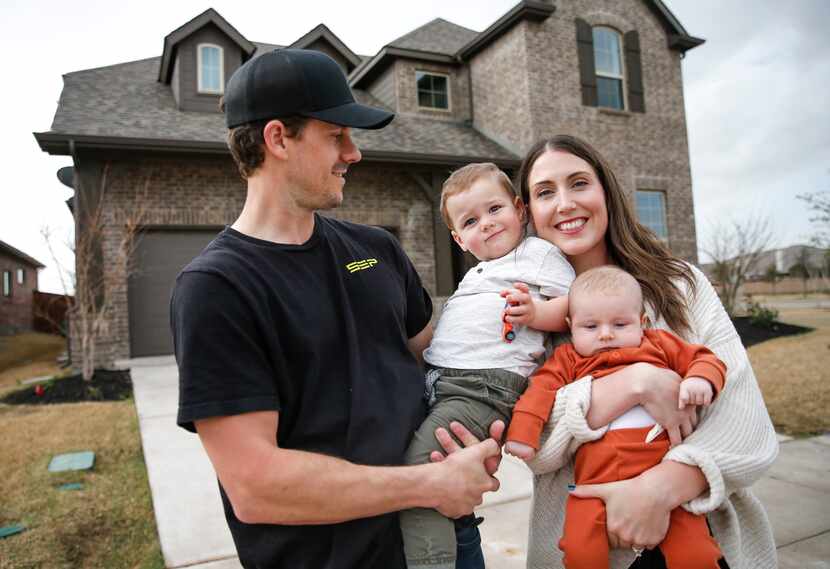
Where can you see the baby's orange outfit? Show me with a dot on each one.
(622, 453)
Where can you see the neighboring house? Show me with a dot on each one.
(19, 274)
(149, 131)
(786, 261)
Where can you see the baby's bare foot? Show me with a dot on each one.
(520, 450)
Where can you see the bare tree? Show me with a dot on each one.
(819, 204)
(94, 285)
(803, 268)
(735, 248)
(771, 275)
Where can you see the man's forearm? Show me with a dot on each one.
(302, 488)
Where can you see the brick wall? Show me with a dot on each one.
(208, 192)
(526, 86)
(16, 310)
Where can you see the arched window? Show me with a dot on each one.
(608, 65)
(211, 69)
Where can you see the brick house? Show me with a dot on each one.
(606, 70)
(19, 274)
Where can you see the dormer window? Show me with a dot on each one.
(211, 69)
(609, 69)
(433, 90)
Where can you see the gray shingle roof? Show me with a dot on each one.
(125, 100)
(437, 36)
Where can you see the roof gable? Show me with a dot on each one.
(209, 16)
(321, 32)
(437, 36)
(9, 250)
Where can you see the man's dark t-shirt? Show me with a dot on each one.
(317, 332)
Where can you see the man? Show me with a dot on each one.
(297, 335)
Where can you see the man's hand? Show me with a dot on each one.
(522, 309)
(694, 391)
(468, 439)
(463, 478)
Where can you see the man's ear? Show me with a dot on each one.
(457, 238)
(274, 135)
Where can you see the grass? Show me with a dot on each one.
(28, 355)
(109, 523)
(793, 374)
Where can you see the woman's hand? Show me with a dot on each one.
(467, 439)
(658, 391)
(636, 513)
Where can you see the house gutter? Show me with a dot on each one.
(61, 144)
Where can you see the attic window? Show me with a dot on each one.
(433, 90)
(21, 276)
(7, 283)
(211, 69)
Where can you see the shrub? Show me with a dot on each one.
(760, 315)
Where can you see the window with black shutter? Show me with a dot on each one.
(610, 67)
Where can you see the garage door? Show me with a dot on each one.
(159, 256)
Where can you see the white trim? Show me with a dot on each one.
(449, 90)
(199, 87)
(621, 76)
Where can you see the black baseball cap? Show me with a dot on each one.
(296, 82)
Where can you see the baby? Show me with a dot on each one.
(476, 365)
(607, 317)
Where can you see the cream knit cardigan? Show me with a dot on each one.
(733, 445)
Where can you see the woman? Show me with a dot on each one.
(576, 203)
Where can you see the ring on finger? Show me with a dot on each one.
(638, 551)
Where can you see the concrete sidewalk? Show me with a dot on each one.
(193, 533)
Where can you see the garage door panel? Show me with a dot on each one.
(159, 257)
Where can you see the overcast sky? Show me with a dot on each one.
(756, 93)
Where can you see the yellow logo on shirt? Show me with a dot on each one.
(355, 266)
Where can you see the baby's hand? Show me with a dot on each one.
(520, 450)
(694, 391)
(522, 310)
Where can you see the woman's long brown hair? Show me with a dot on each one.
(631, 245)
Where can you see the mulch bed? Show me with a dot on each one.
(106, 385)
(751, 334)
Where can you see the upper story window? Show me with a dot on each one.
(433, 90)
(609, 68)
(211, 69)
(7, 283)
(21, 276)
(651, 211)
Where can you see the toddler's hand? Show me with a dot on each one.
(694, 391)
(520, 450)
(522, 310)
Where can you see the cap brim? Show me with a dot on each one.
(354, 115)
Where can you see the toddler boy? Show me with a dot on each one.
(476, 371)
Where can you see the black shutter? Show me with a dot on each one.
(634, 72)
(587, 72)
